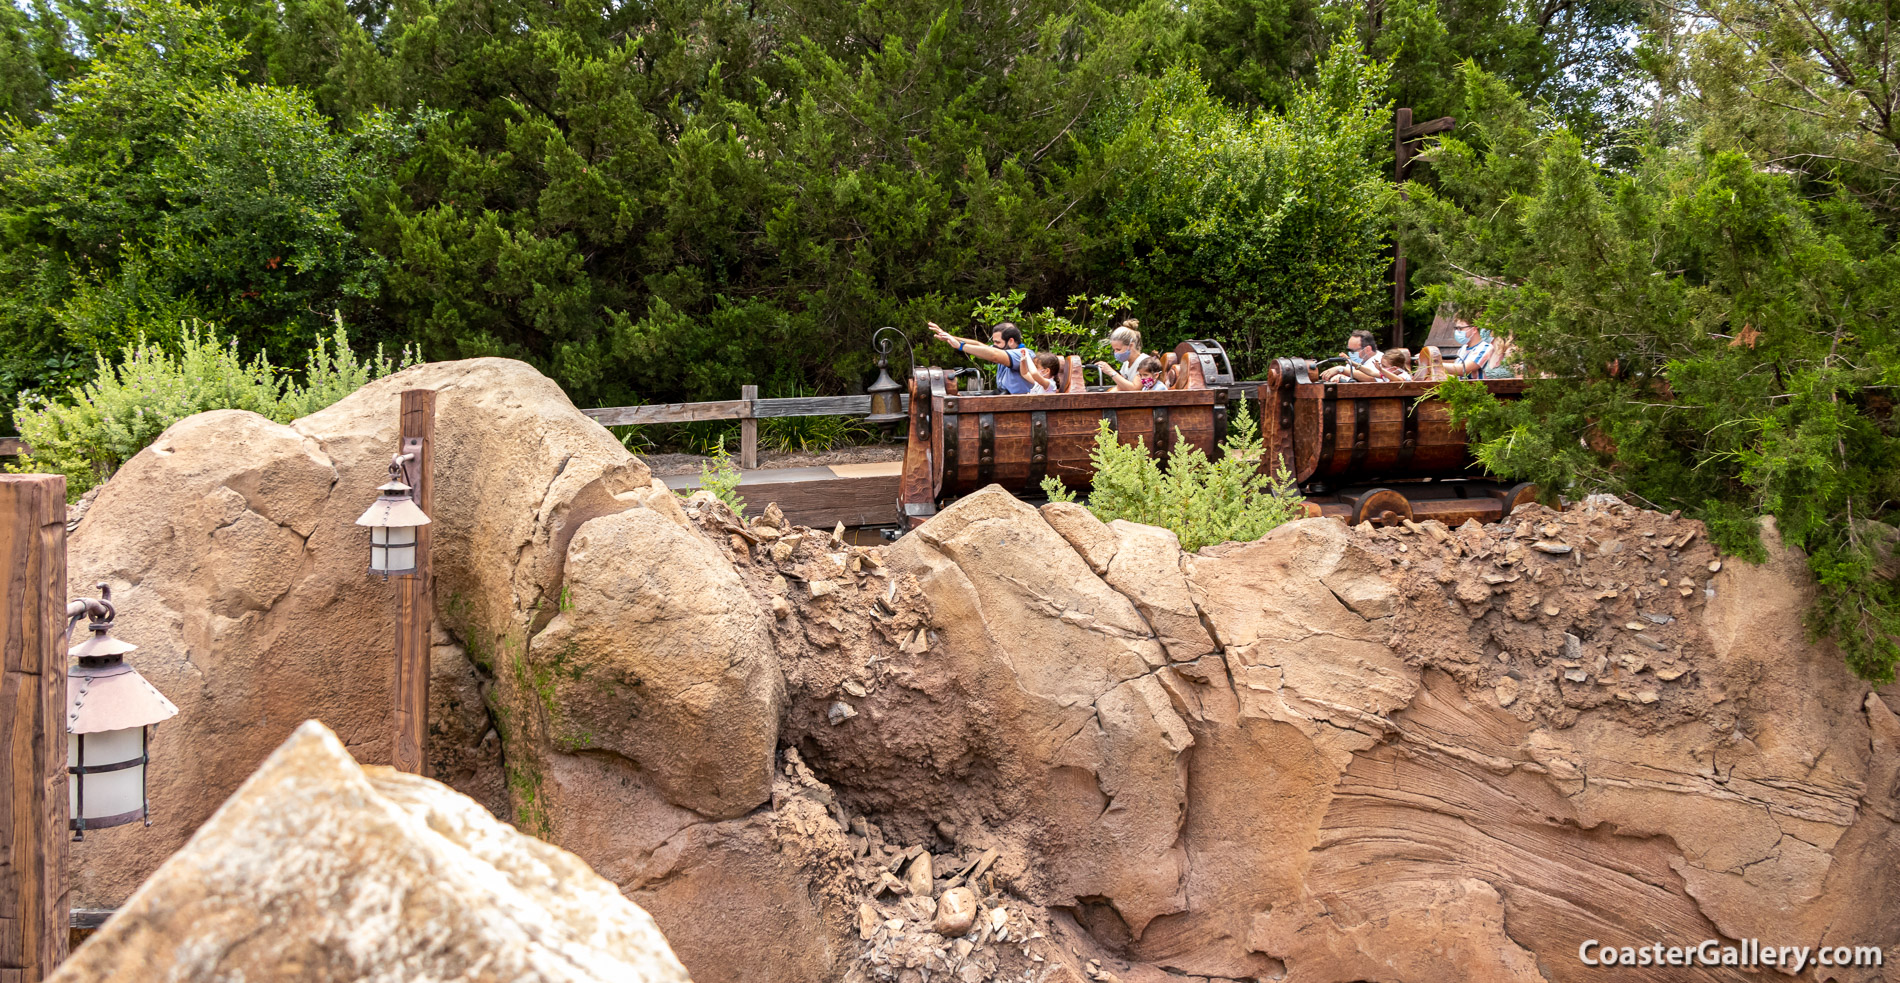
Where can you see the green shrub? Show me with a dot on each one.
(1204, 502)
(128, 404)
(722, 477)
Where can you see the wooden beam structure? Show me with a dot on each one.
(13, 447)
(416, 593)
(1405, 133)
(33, 807)
(820, 496)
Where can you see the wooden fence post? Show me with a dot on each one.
(416, 593)
(33, 825)
(749, 429)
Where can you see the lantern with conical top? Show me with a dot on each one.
(887, 402)
(392, 520)
(111, 712)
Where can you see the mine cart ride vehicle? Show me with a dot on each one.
(1383, 452)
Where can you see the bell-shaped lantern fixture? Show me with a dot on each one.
(111, 712)
(392, 520)
(887, 403)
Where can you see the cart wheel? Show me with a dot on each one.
(1381, 507)
(1522, 493)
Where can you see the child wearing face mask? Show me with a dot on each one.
(1148, 371)
(1042, 373)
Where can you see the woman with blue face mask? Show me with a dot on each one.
(1126, 343)
(1474, 349)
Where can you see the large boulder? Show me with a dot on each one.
(659, 656)
(1086, 737)
(1434, 754)
(235, 563)
(318, 869)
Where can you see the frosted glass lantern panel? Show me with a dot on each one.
(392, 548)
(107, 793)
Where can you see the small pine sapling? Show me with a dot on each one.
(721, 477)
(1202, 501)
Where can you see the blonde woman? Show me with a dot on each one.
(1125, 341)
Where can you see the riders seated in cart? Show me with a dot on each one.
(1006, 349)
(1362, 358)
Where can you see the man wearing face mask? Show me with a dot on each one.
(1361, 354)
(1475, 347)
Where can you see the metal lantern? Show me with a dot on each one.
(111, 712)
(887, 404)
(392, 520)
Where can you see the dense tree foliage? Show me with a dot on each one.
(1721, 334)
(1683, 212)
(158, 188)
(667, 200)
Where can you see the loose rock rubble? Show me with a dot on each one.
(1561, 612)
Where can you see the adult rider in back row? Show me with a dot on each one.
(1005, 349)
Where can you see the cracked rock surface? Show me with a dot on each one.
(319, 870)
(1412, 754)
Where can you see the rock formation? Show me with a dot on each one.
(319, 870)
(1414, 754)
(235, 564)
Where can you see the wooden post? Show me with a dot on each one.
(749, 429)
(416, 607)
(33, 825)
(1401, 121)
(1404, 134)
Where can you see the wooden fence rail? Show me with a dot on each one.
(763, 409)
(734, 409)
(748, 412)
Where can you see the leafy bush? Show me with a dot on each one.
(1264, 231)
(157, 189)
(1204, 502)
(128, 404)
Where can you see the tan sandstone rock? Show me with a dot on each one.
(320, 870)
(1146, 568)
(236, 565)
(1400, 756)
(1298, 652)
(1095, 541)
(956, 912)
(659, 655)
(1091, 742)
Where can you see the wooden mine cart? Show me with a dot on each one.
(1379, 451)
(1360, 451)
